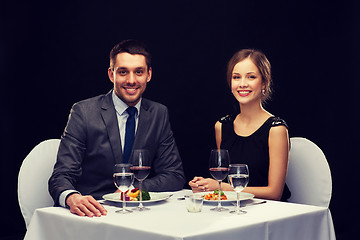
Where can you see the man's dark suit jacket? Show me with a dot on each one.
(90, 147)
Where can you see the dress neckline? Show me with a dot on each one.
(262, 125)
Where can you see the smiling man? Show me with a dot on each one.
(96, 137)
(130, 73)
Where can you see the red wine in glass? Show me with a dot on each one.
(141, 169)
(219, 173)
(219, 168)
(141, 172)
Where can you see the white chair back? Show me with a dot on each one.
(34, 174)
(309, 176)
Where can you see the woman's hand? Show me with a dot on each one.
(200, 184)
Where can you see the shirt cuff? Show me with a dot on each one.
(64, 195)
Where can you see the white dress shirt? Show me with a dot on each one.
(122, 115)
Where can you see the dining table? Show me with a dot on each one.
(169, 219)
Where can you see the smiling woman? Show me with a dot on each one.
(259, 65)
(246, 83)
(254, 136)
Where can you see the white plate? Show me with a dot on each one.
(231, 196)
(155, 197)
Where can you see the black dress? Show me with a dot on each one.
(252, 150)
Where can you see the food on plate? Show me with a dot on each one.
(134, 195)
(145, 196)
(215, 196)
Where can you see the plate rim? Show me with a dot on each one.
(144, 201)
(250, 196)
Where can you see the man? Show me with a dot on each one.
(96, 137)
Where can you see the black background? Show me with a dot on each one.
(55, 53)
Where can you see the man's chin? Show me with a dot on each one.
(130, 101)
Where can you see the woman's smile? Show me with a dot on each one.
(244, 93)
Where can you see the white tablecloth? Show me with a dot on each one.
(170, 220)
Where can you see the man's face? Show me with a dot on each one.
(130, 76)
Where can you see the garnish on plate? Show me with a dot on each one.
(134, 195)
(215, 196)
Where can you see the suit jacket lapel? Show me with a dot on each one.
(143, 124)
(108, 114)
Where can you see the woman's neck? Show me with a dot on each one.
(250, 119)
(250, 112)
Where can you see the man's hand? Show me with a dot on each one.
(85, 205)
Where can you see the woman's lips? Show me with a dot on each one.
(244, 93)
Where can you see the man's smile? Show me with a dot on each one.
(131, 90)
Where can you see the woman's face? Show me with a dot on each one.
(246, 82)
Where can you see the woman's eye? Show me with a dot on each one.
(236, 77)
(252, 77)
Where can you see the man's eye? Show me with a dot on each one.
(122, 73)
(139, 73)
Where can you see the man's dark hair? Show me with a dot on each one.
(130, 46)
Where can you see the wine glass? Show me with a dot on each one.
(141, 169)
(238, 178)
(219, 169)
(123, 179)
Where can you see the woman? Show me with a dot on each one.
(254, 136)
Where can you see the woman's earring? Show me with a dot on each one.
(263, 92)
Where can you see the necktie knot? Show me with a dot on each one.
(131, 111)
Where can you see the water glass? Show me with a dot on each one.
(194, 202)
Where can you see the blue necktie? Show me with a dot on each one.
(129, 133)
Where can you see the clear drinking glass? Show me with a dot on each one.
(141, 166)
(194, 202)
(219, 169)
(238, 178)
(123, 179)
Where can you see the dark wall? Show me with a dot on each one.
(53, 54)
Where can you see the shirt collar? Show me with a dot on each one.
(121, 107)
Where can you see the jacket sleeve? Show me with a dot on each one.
(167, 165)
(70, 154)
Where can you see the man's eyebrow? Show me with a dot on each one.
(125, 68)
(121, 68)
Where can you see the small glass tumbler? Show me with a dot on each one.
(194, 202)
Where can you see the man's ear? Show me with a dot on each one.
(111, 74)
(149, 75)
